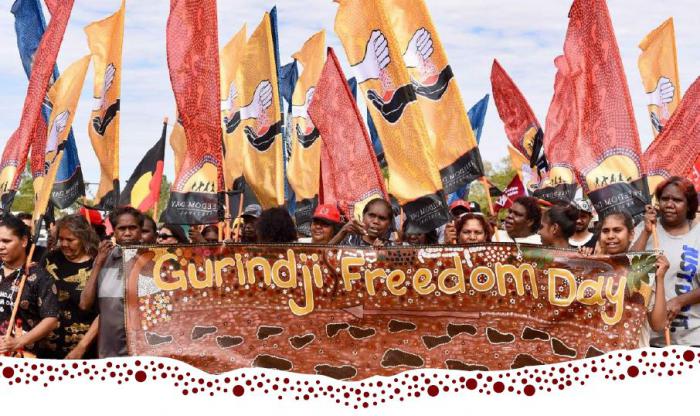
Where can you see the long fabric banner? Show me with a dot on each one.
(304, 165)
(658, 66)
(350, 174)
(32, 124)
(561, 128)
(64, 96)
(522, 127)
(352, 313)
(608, 149)
(676, 149)
(376, 58)
(30, 26)
(196, 196)
(105, 38)
(450, 132)
(178, 142)
(231, 58)
(261, 118)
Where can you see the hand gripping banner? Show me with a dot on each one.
(352, 313)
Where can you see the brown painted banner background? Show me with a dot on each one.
(351, 313)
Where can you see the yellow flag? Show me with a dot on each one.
(64, 94)
(658, 66)
(261, 122)
(105, 39)
(521, 164)
(303, 168)
(449, 130)
(178, 142)
(377, 62)
(231, 57)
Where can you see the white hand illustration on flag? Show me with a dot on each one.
(663, 94)
(375, 60)
(262, 100)
(419, 50)
(228, 104)
(99, 102)
(303, 110)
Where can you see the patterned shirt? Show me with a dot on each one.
(39, 301)
(70, 279)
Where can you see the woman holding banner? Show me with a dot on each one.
(679, 238)
(521, 223)
(372, 231)
(28, 301)
(616, 236)
(470, 228)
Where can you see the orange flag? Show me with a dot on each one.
(658, 66)
(377, 61)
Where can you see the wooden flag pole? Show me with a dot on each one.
(227, 217)
(487, 188)
(655, 236)
(18, 298)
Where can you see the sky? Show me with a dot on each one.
(525, 37)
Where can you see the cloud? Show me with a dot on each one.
(524, 36)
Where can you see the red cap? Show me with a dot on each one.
(470, 206)
(93, 216)
(328, 213)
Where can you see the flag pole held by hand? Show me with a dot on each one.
(655, 236)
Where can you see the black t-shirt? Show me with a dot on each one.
(70, 279)
(39, 301)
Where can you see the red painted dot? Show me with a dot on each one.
(529, 390)
(633, 371)
(8, 372)
(140, 376)
(433, 391)
(688, 355)
(238, 391)
(471, 384)
(498, 387)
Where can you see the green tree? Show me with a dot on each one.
(24, 199)
(500, 175)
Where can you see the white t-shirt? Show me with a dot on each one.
(580, 243)
(503, 237)
(683, 253)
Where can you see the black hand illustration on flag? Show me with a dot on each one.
(392, 110)
(307, 140)
(435, 91)
(262, 143)
(100, 124)
(233, 122)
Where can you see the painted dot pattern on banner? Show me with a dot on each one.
(528, 381)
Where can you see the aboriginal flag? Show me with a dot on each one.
(142, 190)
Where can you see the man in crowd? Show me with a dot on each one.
(250, 216)
(105, 286)
(583, 237)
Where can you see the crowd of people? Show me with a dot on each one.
(71, 293)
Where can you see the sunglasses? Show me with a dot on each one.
(164, 236)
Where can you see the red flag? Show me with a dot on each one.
(522, 127)
(561, 128)
(193, 60)
(351, 176)
(513, 191)
(32, 128)
(676, 149)
(608, 150)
